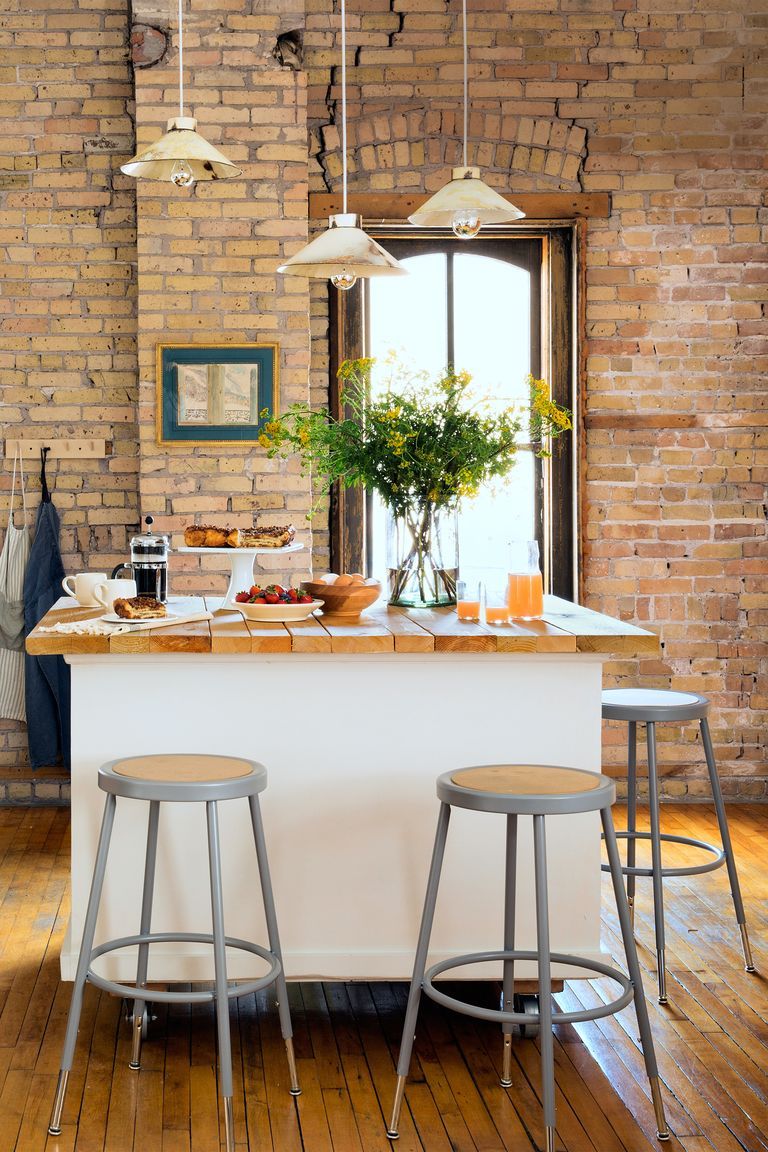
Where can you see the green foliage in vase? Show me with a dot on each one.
(416, 441)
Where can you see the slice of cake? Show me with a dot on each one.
(139, 608)
(267, 537)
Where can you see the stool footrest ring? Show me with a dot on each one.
(234, 990)
(499, 1016)
(691, 870)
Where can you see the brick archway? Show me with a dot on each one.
(412, 150)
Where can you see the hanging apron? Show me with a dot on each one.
(47, 677)
(13, 565)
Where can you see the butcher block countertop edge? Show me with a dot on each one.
(564, 628)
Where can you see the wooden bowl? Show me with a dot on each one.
(346, 603)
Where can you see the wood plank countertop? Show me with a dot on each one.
(564, 627)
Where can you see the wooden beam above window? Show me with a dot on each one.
(399, 205)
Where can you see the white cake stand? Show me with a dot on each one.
(241, 563)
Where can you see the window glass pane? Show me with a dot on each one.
(408, 314)
(492, 324)
(491, 315)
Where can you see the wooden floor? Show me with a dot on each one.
(712, 1039)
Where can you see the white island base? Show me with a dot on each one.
(352, 744)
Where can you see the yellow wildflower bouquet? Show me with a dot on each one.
(417, 442)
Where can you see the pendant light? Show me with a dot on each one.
(344, 252)
(466, 203)
(181, 155)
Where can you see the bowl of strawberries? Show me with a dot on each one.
(274, 603)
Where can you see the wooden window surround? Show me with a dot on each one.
(562, 241)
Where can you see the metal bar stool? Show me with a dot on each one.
(650, 706)
(538, 791)
(180, 778)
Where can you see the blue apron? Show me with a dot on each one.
(46, 677)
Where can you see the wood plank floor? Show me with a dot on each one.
(712, 1039)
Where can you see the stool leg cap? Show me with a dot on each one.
(295, 1091)
(746, 949)
(505, 1083)
(392, 1135)
(54, 1131)
(662, 1136)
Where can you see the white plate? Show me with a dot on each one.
(276, 613)
(113, 618)
(242, 551)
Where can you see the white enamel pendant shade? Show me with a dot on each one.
(344, 249)
(181, 143)
(465, 192)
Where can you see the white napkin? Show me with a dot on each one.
(98, 627)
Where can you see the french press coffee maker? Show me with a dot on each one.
(149, 563)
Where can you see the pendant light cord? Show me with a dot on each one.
(466, 84)
(343, 106)
(181, 62)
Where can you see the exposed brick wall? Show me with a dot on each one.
(662, 105)
(666, 109)
(67, 301)
(207, 260)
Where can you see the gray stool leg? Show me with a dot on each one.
(83, 963)
(220, 968)
(658, 889)
(274, 939)
(545, 982)
(631, 815)
(725, 836)
(633, 966)
(139, 1006)
(419, 964)
(508, 987)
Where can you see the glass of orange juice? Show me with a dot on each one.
(525, 587)
(496, 608)
(468, 600)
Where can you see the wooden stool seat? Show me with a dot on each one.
(190, 777)
(188, 769)
(526, 789)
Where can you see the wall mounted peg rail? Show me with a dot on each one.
(59, 449)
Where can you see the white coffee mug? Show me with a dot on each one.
(82, 585)
(110, 590)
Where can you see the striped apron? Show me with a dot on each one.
(13, 564)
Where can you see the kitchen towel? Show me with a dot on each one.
(95, 626)
(13, 565)
(47, 677)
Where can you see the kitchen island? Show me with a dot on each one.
(354, 722)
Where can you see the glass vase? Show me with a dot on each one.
(422, 556)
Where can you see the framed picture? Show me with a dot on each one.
(215, 393)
